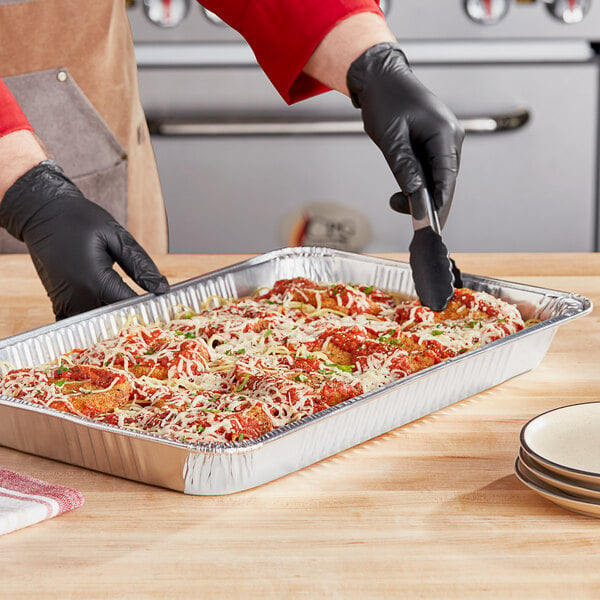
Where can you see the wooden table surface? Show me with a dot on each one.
(430, 510)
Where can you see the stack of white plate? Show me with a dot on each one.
(559, 457)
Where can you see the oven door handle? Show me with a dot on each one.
(511, 120)
(508, 121)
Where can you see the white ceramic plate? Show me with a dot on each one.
(573, 488)
(583, 507)
(566, 441)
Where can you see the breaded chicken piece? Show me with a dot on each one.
(337, 355)
(261, 422)
(346, 299)
(334, 392)
(156, 371)
(91, 390)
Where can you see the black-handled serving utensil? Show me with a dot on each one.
(435, 274)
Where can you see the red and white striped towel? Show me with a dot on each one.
(25, 500)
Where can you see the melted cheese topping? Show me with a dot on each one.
(242, 367)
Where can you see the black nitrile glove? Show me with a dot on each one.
(74, 243)
(418, 135)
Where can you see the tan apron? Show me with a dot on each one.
(71, 66)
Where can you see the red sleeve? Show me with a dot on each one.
(12, 117)
(284, 33)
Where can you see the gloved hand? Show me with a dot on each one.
(74, 243)
(419, 136)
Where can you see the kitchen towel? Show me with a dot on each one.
(25, 500)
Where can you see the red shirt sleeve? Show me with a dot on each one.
(284, 33)
(12, 117)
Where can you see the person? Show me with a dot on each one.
(305, 47)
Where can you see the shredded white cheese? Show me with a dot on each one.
(241, 367)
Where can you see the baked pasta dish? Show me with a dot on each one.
(240, 368)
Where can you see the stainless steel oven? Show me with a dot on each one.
(243, 172)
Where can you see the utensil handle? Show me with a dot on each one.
(423, 212)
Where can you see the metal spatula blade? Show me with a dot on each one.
(434, 273)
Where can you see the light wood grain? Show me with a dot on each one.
(430, 510)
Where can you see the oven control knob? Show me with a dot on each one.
(166, 13)
(486, 12)
(568, 11)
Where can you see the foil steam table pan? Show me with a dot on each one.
(208, 468)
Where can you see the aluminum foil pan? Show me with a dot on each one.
(206, 469)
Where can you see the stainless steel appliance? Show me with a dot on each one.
(243, 172)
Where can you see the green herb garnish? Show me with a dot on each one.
(243, 384)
